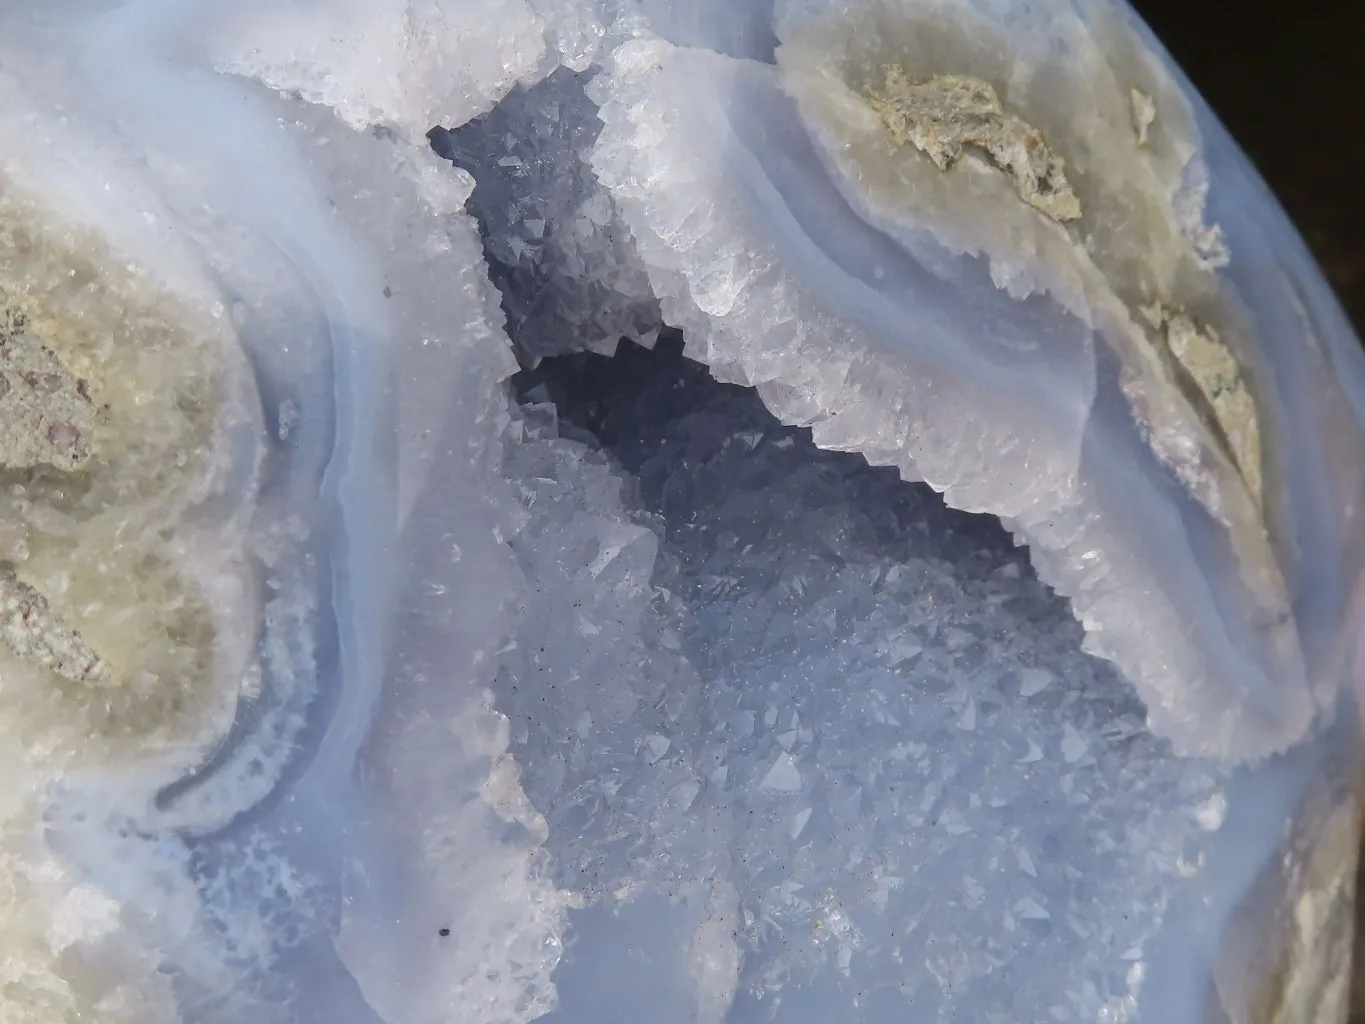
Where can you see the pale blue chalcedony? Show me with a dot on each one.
(600, 694)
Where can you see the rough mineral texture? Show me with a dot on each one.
(602, 511)
(30, 630)
(948, 113)
(46, 416)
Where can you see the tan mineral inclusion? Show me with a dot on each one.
(46, 418)
(948, 113)
(110, 452)
(111, 594)
(30, 630)
(46, 415)
(1202, 355)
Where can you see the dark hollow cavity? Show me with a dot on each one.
(751, 680)
(754, 721)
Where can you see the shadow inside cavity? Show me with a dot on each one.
(664, 419)
(775, 556)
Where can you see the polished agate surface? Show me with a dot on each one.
(717, 511)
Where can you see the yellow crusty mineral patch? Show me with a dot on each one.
(944, 115)
(46, 415)
(46, 418)
(109, 635)
(118, 381)
(1201, 353)
(30, 630)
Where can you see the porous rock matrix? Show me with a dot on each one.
(939, 606)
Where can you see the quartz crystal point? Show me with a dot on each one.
(942, 608)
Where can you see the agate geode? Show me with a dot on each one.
(610, 511)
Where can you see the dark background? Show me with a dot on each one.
(1289, 82)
